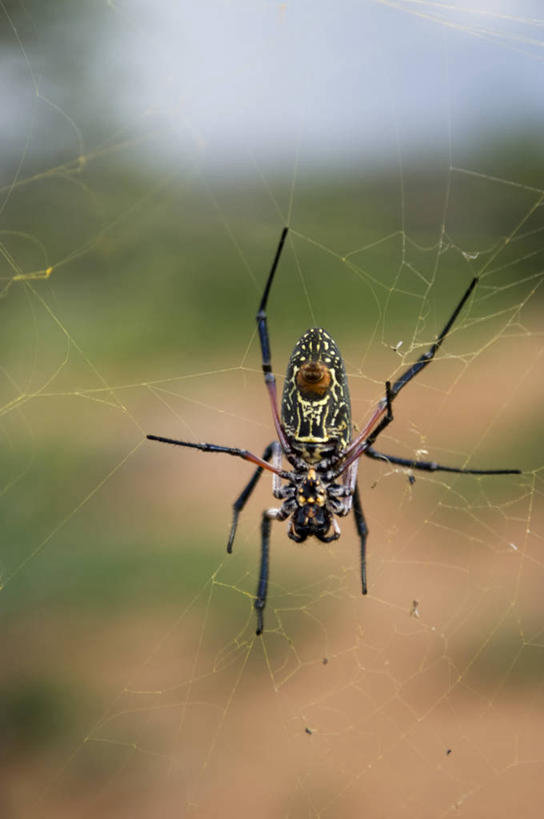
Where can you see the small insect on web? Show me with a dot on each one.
(314, 434)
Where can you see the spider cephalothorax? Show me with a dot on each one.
(315, 436)
(312, 514)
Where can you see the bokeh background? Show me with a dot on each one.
(151, 154)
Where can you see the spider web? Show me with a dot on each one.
(134, 252)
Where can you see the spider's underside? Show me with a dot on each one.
(315, 436)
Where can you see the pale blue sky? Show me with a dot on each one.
(228, 80)
(329, 77)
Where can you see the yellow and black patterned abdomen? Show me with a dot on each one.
(315, 408)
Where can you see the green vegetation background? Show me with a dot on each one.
(114, 275)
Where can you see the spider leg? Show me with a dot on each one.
(432, 466)
(362, 531)
(262, 588)
(272, 449)
(361, 443)
(230, 450)
(386, 420)
(262, 327)
(427, 357)
(260, 599)
(395, 388)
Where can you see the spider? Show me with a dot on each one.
(314, 434)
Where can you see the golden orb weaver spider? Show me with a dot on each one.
(315, 435)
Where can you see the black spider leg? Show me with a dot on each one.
(392, 391)
(229, 450)
(386, 420)
(268, 515)
(432, 466)
(262, 588)
(427, 357)
(262, 327)
(423, 361)
(241, 501)
(363, 441)
(354, 453)
(362, 531)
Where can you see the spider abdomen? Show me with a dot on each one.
(315, 408)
